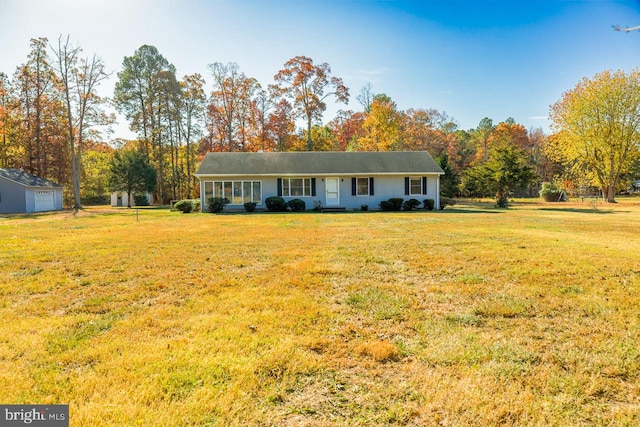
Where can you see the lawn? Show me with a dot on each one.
(467, 316)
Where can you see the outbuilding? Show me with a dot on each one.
(22, 192)
(346, 180)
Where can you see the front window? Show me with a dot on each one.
(415, 185)
(237, 192)
(362, 185)
(296, 187)
(208, 190)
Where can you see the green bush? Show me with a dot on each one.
(188, 205)
(393, 204)
(250, 206)
(551, 192)
(141, 199)
(275, 204)
(297, 205)
(216, 204)
(386, 205)
(446, 201)
(429, 204)
(396, 202)
(410, 204)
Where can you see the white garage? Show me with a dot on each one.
(22, 192)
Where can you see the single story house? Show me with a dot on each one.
(333, 179)
(21, 192)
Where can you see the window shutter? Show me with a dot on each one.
(313, 187)
(406, 185)
(279, 187)
(371, 186)
(354, 187)
(424, 185)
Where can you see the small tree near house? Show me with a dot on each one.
(130, 172)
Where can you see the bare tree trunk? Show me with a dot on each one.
(309, 140)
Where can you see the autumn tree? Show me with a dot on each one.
(4, 120)
(346, 126)
(282, 125)
(191, 112)
(308, 86)
(80, 78)
(142, 93)
(427, 129)
(231, 104)
(381, 128)
(461, 150)
(597, 125)
(38, 114)
(481, 138)
(95, 172)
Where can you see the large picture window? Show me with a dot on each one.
(237, 192)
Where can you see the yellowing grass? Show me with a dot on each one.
(469, 316)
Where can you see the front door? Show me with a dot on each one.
(332, 190)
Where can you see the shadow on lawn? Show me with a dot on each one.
(582, 210)
(472, 210)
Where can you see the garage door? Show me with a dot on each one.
(44, 201)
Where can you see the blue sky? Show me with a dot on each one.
(471, 59)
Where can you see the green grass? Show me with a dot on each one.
(468, 316)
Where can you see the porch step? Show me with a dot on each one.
(334, 209)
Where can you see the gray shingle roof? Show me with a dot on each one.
(319, 163)
(21, 177)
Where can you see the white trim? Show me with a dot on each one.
(304, 175)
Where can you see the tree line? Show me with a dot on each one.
(54, 124)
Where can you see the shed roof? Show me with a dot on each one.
(26, 179)
(319, 163)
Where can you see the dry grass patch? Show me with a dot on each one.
(468, 316)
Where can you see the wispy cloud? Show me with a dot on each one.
(538, 117)
(373, 75)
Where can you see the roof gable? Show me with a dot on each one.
(26, 179)
(319, 163)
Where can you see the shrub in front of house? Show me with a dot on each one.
(297, 205)
(250, 206)
(188, 205)
(393, 204)
(429, 204)
(396, 202)
(551, 192)
(275, 204)
(216, 204)
(410, 205)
